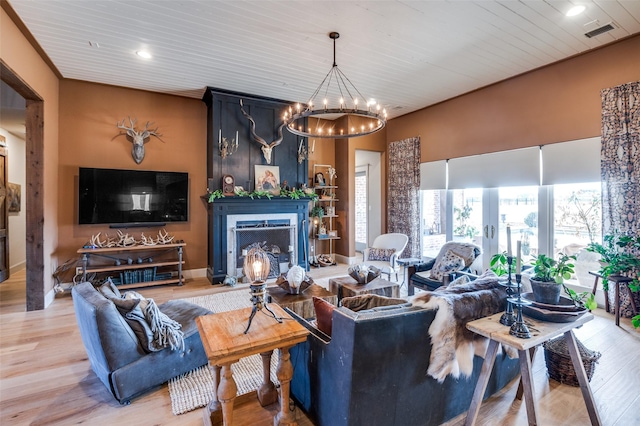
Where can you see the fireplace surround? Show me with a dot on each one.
(229, 214)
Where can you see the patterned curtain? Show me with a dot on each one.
(620, 164)
(620, 158)
(403, 202)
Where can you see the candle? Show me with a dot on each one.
(290, 249)
(508, 241)
(518, 254)
(313, 147)
(244, 252)
(219, 136)
(236, 138)
(300, 146)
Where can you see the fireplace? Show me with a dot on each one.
(279, 223)
(276, 234)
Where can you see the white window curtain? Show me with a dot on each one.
(571, 162)
(433, 175)
(518, 167)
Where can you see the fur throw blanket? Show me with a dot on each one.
(452, 345)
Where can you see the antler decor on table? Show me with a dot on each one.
(138, 138)
(266, 147)
(126, 240)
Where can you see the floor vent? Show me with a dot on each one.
(601, 30)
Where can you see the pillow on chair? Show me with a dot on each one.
(450, 262)
(380, 254)
(324, 315)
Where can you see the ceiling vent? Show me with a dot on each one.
(601, 30)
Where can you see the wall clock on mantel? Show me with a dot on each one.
(228, 185)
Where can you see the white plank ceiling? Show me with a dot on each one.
(406, 54)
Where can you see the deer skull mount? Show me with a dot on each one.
(138, 138)
(266, 147)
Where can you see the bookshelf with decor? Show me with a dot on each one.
(324, 213)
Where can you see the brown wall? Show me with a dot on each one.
(89, 138)
(22, 58)
(556, 103)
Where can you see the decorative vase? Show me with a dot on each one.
(547, 292)
(295, 281)
(363, 274)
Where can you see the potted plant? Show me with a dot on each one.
(548, 276)
(617, 257)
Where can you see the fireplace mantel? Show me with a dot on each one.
(223, 207)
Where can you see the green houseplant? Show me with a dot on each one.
(549, 275)
(618, 258)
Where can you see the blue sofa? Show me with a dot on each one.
(115, 353)
(373, 371)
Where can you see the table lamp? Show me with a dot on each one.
(256, 269)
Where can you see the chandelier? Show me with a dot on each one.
(348, 101)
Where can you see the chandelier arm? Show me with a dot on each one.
(332, 77)
(319, 87)
(346, 86)
(352, 85)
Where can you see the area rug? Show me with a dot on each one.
(195, 389)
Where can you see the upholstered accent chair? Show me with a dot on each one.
(385, 252)
(116, 354)
(453, 257)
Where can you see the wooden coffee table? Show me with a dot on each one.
(225, 343)
(347, 287)
(301, 304)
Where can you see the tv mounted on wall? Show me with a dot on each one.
(132, 197)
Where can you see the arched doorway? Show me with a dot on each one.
(34, 204)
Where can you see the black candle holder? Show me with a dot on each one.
(519, 328)
(509, 317)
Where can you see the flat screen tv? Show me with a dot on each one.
(132, 197)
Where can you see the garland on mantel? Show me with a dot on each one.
(294, 194)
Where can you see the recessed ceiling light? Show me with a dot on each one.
(576, 10)
(143, 54)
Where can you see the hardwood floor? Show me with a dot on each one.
(46, 379)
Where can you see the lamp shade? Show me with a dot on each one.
(256, 265)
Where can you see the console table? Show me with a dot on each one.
(137, 265)
(542, 331)
(225, 343)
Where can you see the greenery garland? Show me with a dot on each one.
(294, 194)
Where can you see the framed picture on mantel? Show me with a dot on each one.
(267, 178)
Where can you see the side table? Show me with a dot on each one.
(225, 343)
(302, 304)
(347, 287)
(617, 281)
(497, 333)
(405, 263)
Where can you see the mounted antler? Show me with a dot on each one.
(266, 147)
(138, 138)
